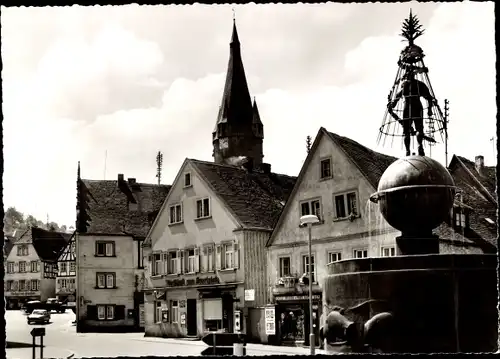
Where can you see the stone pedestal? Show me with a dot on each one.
(440, 303)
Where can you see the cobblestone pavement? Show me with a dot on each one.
(62, 341)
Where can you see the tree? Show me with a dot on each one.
(13, 219)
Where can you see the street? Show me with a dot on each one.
(62, 341)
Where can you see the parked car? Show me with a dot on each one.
(39, 316)
(49, 305)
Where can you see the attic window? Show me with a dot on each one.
(187, 180)
(460, 217)
(326, 168)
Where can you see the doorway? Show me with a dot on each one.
(191, 317)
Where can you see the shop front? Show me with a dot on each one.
(292, 316)
(16, 300)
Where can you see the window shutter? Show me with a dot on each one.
(218, 257)
(179, 262)
(236, 255)
(91, 312)
(197, 260)
(119, 312)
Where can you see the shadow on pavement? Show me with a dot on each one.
(16, 345)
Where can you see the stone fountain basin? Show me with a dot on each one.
(440, 302)
(415, 208)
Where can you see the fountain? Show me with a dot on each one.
(419, 301)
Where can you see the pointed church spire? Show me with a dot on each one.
(234, 134)
(256, 115)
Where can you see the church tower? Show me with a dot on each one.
(238, 131)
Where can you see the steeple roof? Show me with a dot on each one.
(256, 115)
(236, 105)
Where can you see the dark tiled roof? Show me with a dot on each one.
(49, 244)
(473, 196)
(256, 198)
(371, 164)
(109, 211)
(488, 177)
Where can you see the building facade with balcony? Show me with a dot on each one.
(206, 251)
(31, 266)
(66, 275)
(113, 217)
(335, 183)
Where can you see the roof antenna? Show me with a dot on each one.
(234, 14)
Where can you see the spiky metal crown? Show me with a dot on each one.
(411, 29)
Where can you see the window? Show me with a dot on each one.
(72, 267)
(203, 208)
(110, 312)
(360, 253)
(460, 218)
(22, 250)
(105, 249)
(228, 256)
(157, 312)
(285, 267)
(346, 205)
(22, 285)
(34, 285)
(10, 267)
(208, 259)
(63, 267)
(174, 311)
(311, 207)
(172, 262)
(72, 284)
(191, 261)
(305, 266)
(62, 283)
(105, 280)
(22, 267)
(8, 286)
(175, 214)
(326, 168)
(105, 312)
(334, 257)
(157, 264)
(187, 179)
(388, 251)
(35, 267)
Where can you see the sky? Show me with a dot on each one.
(111, 86)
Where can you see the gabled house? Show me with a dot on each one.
(472, 227)
(113, 218)
(206, 249)
(66, 275)
(206, 255)
(335, 183)
(31, 266)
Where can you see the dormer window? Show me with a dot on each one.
(460, 217)
(326, 168)
(187, 180)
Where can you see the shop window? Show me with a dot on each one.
(212, 314)
(157, 312)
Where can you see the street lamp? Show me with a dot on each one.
(309, 220)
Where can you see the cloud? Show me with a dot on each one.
(112, 93)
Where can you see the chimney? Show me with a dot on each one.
(248, 164)
(479, 164)
(120, 178)
(131, 181)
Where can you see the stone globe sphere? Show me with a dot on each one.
(415, 195)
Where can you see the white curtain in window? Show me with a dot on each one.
(212, 309)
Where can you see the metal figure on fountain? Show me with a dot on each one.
(413, 113)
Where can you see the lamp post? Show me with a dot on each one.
(309, 220)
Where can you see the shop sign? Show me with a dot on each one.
(270, 321)
(198, 281)
(24, 293)
(249, 295)
(297, 297)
